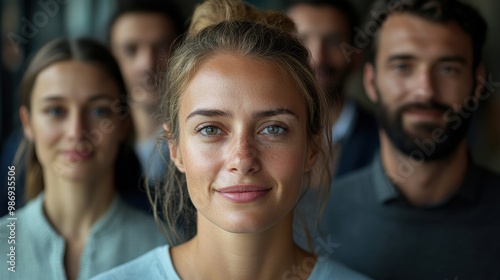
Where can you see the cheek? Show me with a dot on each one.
(46, 138)
(391, 89)
(288, 163)
(338, 59)
(201, 163)
(46, 134)
(453, 93)
(107, 138)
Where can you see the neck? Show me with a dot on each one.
(218, 254)
(73, 207)
(145, 122)
(428, 182)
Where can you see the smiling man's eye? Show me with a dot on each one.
(401, 67)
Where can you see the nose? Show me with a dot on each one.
(76, 126)
(146, 59)
(425, 85)
(242, 156)
(146, 67)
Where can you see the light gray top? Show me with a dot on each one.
(119, 236)
(157, 264)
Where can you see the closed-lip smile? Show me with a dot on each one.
(243, 193)
(76, 155)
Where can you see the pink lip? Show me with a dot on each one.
(75, 155)
(243, 194)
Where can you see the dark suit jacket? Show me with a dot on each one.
(360, 145)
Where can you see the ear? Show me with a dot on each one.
(175, 154)
(312, 153)
(480, 72)
(369, 81)
(24, 115)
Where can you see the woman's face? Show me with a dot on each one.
(73, 120)
(243, 144)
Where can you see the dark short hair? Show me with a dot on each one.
(168, 8)
(346, 8)
(439, 11)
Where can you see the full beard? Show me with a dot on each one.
(411, 143)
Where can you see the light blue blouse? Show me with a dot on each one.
(119, 236)
(157, 264)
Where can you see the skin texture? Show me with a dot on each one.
(241, 125)
(420, 63)
(76, 135)
(322, 29)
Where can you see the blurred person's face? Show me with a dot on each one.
(141, 43)
(243, 143)
(322, 29)
(423, 75)
(72, 122)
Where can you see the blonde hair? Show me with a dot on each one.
(212, 12)
(230, 26)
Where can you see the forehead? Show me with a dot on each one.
(237, 83)
(73, 80)
(320, 19)
(406, 34)
(142, 25)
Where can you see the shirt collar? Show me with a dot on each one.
(41, 224)
(384, 189)
(386, 192)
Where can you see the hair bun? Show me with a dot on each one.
(212, 12)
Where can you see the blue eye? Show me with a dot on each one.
(100, 112)
(209, 130)
(401, 67)
(449, 69)
(273, 130)
(54, 111)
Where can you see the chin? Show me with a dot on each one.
(77, 174)
(247, 224)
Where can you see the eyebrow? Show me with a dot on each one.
(448, 58)
(275, 112)
(259, 114)
(99, 96)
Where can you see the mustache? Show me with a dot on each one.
(425, 106)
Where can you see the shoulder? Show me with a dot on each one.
(359, 178)
(326, 268)
(33, 207)
(489, 177)
(123, 224)
(135, 218)
(490, 183)
(152, 265)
